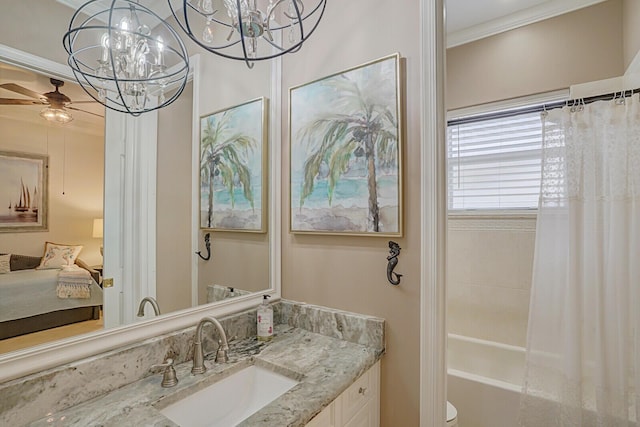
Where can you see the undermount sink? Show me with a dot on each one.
(229, 401)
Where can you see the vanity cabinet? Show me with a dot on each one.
(357, 406)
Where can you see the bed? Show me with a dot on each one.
(29, 302)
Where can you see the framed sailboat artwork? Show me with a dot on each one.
(23, 192)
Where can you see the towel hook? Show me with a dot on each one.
(207, 244)
(394, 252)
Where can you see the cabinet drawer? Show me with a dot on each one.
(356, 396)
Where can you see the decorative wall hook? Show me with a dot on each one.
(394, 252)
(207, 244)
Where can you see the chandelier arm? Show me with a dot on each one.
(320, 4)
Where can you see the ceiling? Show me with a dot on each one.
(469, 20)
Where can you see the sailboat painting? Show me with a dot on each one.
(23, 192)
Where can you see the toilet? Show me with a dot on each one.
(452, 415)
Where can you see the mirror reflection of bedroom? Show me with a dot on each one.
(51, 205)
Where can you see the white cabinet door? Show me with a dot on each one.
(357, 406)
(364, 418)
(326, 418)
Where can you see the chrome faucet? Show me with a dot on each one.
(198, 353)
(154, 304)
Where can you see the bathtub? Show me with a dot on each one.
(484, 381)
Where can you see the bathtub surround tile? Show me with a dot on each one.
(32, 397)
(489, 279)
(490, 313)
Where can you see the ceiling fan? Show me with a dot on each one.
(57, 102)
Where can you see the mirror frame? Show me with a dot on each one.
(33, 359)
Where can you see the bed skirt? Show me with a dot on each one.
(40, 322)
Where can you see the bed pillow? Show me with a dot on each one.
(24, 262)
(5, 265)
(56, 255)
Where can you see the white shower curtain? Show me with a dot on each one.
(583, 343)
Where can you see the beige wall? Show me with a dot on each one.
(631, 27)
(173, 204)
(76, 169)
(577, 47)
(350, 272)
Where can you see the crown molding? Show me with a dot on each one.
(161, 8)
(524, 17)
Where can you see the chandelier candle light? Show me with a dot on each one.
(248, 30)
(125, 56)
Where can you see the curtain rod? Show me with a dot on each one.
(540, 108)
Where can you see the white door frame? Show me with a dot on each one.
(433, 216)
(129, 213)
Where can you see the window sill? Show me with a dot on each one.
(494, 214)
(493, 220)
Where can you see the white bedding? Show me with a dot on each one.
(26, 293)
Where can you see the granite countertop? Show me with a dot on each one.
(324, 367)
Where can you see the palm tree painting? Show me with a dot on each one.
(233, 167)
(345, 152)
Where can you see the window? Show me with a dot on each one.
(494, 161)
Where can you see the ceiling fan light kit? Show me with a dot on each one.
(57, 115)
(125, 56)
(58, 104)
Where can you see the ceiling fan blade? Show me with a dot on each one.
(83, 111)
(83, 102)
(8, 101)
(23, 91)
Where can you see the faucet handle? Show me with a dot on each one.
(169, 378)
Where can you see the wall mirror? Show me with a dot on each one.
(173, 273)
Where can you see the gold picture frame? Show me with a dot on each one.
(346, 137)
(24, 192)
(233, 168)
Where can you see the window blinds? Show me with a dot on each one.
(494, 164)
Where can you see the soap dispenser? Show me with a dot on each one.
(265, 320)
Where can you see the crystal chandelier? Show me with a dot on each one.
(248, 30)
(125, 56)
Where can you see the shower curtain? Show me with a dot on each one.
(583, 342)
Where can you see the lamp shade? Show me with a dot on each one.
(97, 228)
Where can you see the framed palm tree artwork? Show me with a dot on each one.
(233, 168)
(346, 157)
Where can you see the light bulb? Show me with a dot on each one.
(160, 46)
(124, 24)
(104, 41)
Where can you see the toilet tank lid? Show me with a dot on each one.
(452, 412)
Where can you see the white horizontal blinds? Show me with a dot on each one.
(494, 164)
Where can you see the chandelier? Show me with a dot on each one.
(248, 30)
(125, 56)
